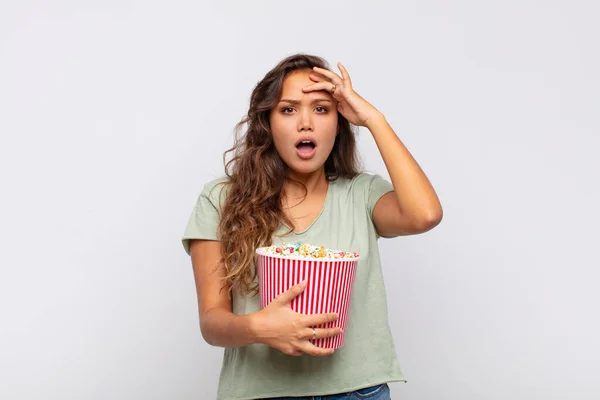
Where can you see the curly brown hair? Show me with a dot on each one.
(252, 211)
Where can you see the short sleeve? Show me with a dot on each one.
(204, 220)
(377, 187)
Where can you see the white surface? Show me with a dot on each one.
(114, 114)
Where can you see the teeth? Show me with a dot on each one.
(306, 141)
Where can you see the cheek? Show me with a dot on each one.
(276, 129)
(329, 127)
(281, 124)
(281, 137)
(329, 124)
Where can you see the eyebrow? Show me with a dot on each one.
(293, 101)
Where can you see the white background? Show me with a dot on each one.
(113, 114)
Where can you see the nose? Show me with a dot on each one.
(305, 121)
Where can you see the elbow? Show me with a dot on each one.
(205, 332)
(430, 220)
(207, 329)
(436, 217)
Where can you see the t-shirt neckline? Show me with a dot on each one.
(325, 203)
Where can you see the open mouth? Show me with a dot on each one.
(306, 148)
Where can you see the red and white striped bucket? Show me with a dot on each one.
(328, 288)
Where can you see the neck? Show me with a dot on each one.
(315, 183)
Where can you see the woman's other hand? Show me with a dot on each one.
(280, 327)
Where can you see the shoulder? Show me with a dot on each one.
(364, 179)
(215, 191)
(365, 188)
(361, 183)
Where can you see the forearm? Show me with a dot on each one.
(415, 194)
(223, 328)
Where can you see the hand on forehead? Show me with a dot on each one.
(294, 84)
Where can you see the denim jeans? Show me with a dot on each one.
(377, 392)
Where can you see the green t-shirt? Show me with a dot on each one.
(368, 356)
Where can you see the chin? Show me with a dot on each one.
(306, 169)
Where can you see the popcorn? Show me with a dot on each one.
(307, 250)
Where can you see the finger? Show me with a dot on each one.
(333, 77)
(326, 86)
(319, 319)
(311, 349)
(345, 74)
(292, 351)
(321, 333)
(325, 333)
(317, 77)
(290, 294)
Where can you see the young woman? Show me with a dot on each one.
(295, 177)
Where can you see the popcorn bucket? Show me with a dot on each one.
(328, 287)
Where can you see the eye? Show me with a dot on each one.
(320, 110)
